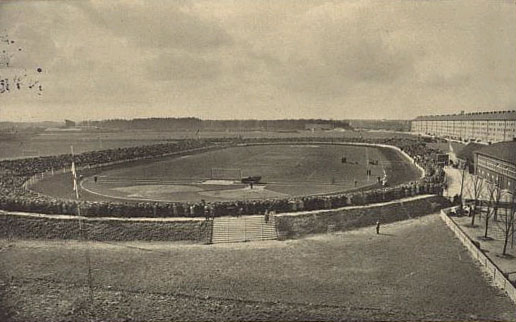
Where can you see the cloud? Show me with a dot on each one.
(162, 24)
(326, 49)
(266, 59)
(180, 66)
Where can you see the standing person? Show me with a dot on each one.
(378, 227)
(206, 210)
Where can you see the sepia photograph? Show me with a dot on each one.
(257, 160)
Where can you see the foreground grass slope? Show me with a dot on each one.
(414, 270)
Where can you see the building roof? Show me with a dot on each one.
(505, 151)
(478, 116)
(467, 152)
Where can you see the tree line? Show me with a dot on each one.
(196, 124)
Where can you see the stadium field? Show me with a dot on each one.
(414, 270)
(286, 170)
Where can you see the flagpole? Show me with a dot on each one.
(82, 234)
(75, 185)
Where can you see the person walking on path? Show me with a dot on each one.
(377, 227)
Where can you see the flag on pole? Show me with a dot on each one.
(74, 174)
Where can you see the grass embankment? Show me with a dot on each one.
(414, 270)
(162, 229)
(296, 225)
(66, 227)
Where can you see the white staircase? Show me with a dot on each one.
(242, 229)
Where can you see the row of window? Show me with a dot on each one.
(494, 178)
(490, 133)
(504, 168)
(505, 128)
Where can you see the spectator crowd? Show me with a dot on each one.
(15, 196)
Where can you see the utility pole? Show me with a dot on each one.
(81, 232)
(367, 163)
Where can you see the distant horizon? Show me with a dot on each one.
(202, 119)
(248, 119)
(235, 119)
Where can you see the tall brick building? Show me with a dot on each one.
(488, 127)
(497, 164)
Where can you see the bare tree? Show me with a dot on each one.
(507, 222)
(495, 195)
(476, 186)
(462, 174)
(497, 198)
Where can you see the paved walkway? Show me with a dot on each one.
(454, 181)
(492, 247)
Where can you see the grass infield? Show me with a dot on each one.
(286, 170)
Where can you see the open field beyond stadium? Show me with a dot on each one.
(286, 170)
(415, 269)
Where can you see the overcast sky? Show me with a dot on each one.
(222, 59)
